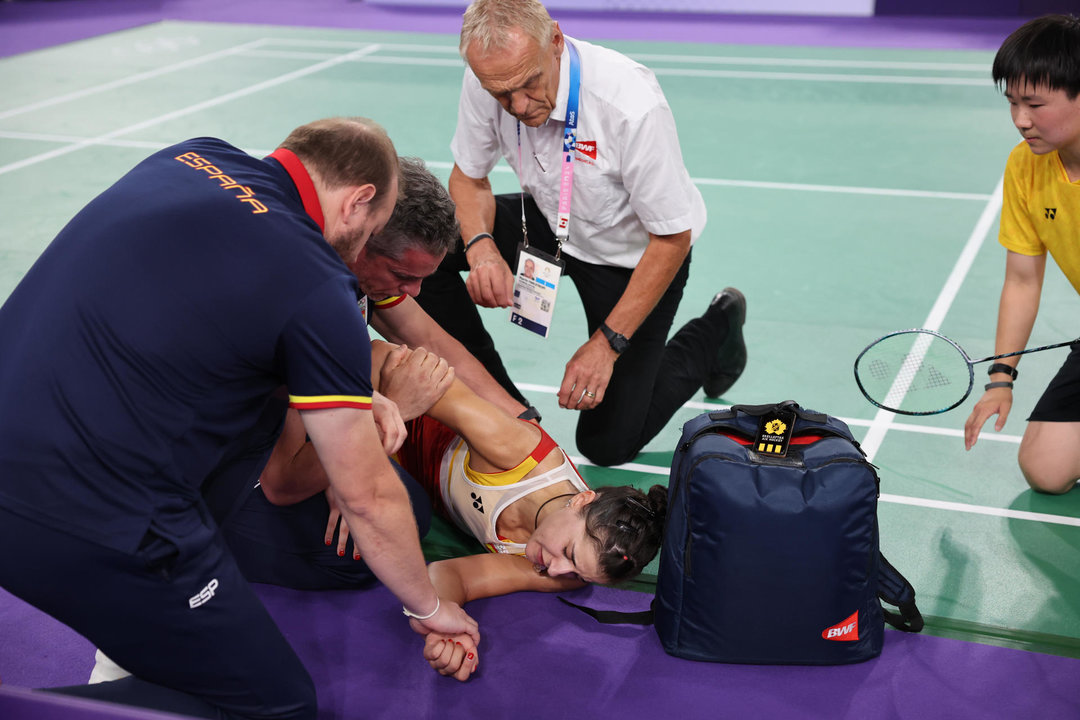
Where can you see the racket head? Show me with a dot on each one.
(914, 372)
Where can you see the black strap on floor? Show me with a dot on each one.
(615, 617)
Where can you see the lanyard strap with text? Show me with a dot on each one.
(566, 185)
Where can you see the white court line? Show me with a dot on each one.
(251, 89)
(860, 422)
(813, 62)
(895, 499)
(690, 59)
(982, 197)
(442, 165)
(54, 138)
(823, 77)
(857, 422)
(131, 79)
(680, 72)
(381, 59)
(883, 418)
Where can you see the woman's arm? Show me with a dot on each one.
(472, 577)
(478, 576)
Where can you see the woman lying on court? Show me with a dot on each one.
(502, 480)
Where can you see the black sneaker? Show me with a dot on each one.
(731, 358)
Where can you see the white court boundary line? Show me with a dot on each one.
(858, 422)
(690, 59)
(688, 72)
(894, 499)
(442, 165)
(883, 418)
(131, 79)
(197, 107)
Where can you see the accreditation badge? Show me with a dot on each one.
(535, 285)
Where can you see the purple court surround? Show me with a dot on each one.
(553, 659)
(31, 25)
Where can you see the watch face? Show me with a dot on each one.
(618, 342)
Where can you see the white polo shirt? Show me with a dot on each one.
(629, 177)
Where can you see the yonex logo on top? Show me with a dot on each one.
(1050, 213)
(477, 501)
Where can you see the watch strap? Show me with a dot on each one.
(619, 343)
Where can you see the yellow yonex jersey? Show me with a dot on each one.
(1041, 210)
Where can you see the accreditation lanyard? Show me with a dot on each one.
(566, 186)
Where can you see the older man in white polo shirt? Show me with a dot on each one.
(606, 201)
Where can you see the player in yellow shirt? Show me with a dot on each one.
(1039, 67)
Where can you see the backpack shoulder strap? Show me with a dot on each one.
(894, 589)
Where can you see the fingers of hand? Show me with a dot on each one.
(396, 356)
(453, 657)
(343, 538)
(490, 283)
(579, 394)
(331, 522)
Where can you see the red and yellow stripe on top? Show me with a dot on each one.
(390, 302)
(515, 474)
(318, 402)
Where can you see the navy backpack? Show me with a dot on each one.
(770, 551)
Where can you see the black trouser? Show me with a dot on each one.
(651, 380)
(177, 613)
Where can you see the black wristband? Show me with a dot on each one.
(1002, 368)
(477, 238)
(530, 413)
(1002, 383)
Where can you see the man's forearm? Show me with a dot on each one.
(474, 201)
(663, 257)
(383, 528)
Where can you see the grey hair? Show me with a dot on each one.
(487, 23)
(424, 217)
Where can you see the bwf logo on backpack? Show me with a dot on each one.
(846, 630)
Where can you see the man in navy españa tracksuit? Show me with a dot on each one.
(150, 334)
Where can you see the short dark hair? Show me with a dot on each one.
(345, 151)
(1043, 51)
(627, 526)
(424, 217)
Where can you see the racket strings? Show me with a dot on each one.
(916, 373)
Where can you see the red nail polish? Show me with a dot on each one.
(469, 656)
(356, 556)
(327, 542)
(341, 553)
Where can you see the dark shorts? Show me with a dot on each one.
(1061, 401)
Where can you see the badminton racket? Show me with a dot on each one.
(920, 372)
